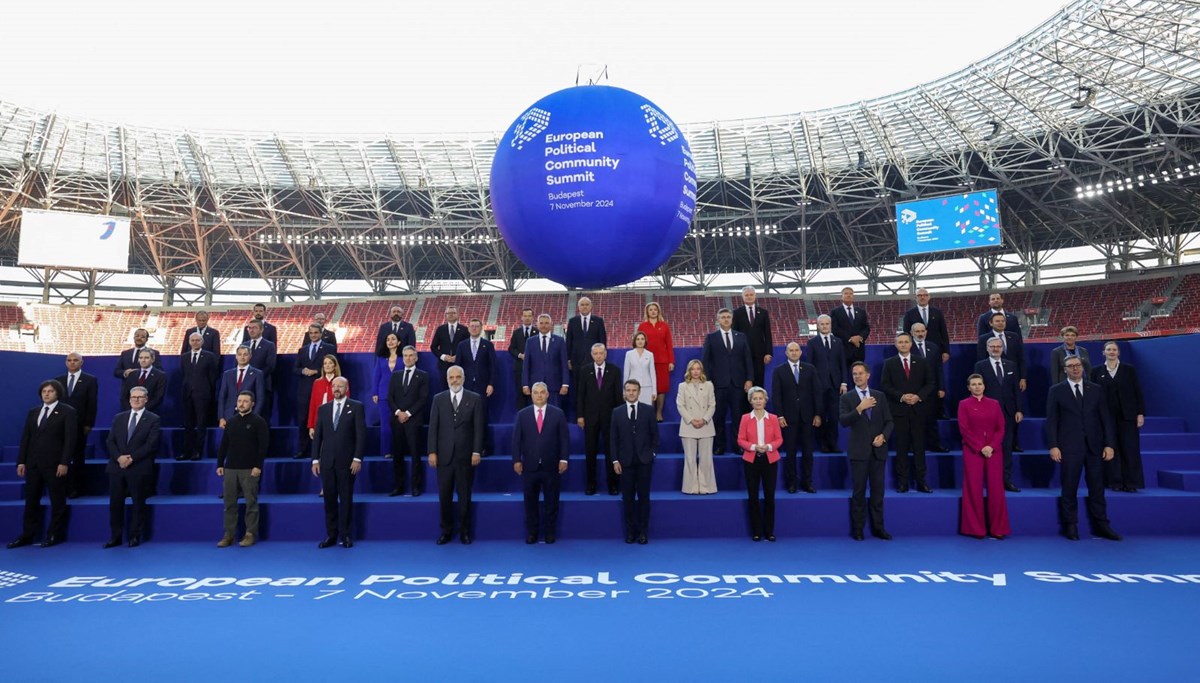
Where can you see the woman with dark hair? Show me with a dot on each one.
(389, 361)
(981, 423)
(639, 364)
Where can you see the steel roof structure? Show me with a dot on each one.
(1104, 93)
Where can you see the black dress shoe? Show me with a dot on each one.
(939, 449)
(808, 488)
(550, 539)
(628, 539)
(589, 491)
(1011, 487)
(642, 540)
(50, 540)
(180, 457)
(300, 456)
(530, 539)
(134, 541)
(756, 538)
(924, 488)
(465, 538)
(23, 540)
(395, 492)
(771, 538)
(112, 543)
(329, 541)
(791, 488)
(903, 488)
(443, 539)
(1018, 449)
(73, 495)
(417, 490)
(881, 534)
(346, 542)
(1071, 531)
(195, 456)
(1106, 532)
(613, 492)
(856, 535)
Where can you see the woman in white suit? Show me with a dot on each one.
(697, 403)
(639, 365)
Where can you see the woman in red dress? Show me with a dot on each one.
(981, 423)
(658, 342)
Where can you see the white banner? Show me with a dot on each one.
(73, 240)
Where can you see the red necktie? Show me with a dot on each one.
(241, 375)
(539, 420)
(142, 378)
(905, 368)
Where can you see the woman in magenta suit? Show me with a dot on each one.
(981, 423)
(760, 437)
(658, 342)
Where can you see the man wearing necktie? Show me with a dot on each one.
(583, 331)
(908, 383)
(199, 369)
(456, 435)
(934, 321)
(477, 357)
(996, 305)
(850, 324)
(133, 443)
(263, 356)
(327, 336)
(307, 368)
(128, 363)
(598, 392)
(446, 339)
(1001, 381)
(546, 360)
(397, 325)
(865, 411)
(516, 349)
(241, 377)
(798, 397)
(153, 379)
(210, 336)
(81, 394)
(408, 401)
(754, 321)
(268, 330)
(47, 446)
(633, 436)
(828, 356)
(727, 360)
(932, 353)
(338, 444)
(540, 451)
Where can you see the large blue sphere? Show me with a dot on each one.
(593, 186)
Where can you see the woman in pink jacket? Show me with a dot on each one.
(981, 423)
(760, 437)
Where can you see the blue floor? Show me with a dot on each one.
(1025, 630)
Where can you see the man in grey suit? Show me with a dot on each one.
(456, 431)
(338, 443)
(865, 412)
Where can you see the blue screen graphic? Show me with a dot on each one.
(949, 223)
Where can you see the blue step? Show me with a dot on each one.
(1183, 480)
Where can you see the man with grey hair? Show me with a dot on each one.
(828, 356)
(210, 336)
(455, 445)
(338, 444)
(753, 321)
(81, 392)
(583, 331)
(199, 368)
(133, 443)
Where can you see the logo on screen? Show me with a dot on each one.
(661, 128)
(907, 216)
(109, 227)
(13, 579)
(529, 127)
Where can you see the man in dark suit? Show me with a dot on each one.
(828, 356)
(932, 353)
(127, 363)
(446, 338)
(933, 320)
(200, 372)
(338, 444)
(268, 330)
(798, 394)
(583, 331)
(598, 392)
(241, 377)
(545, 360)
(310, 358)
(47, 446)
(153, 378)
(850, 324)
(82, 390)
(1081, 435)
(865, 412)
(983, 324)
(408, 401)
(327, 336)
(210, 337)
(754, 321)
(633, 439)
(516, 349)
(395, 324)
(1011, 345)
(726, 358)
(132, 447)
(263, 356)
(540, 451)
(477, 357)
(1001, 381)
(456, 430)
(908, 383)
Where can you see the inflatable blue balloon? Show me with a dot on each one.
(593, 186)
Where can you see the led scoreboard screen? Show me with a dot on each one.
(950, 223)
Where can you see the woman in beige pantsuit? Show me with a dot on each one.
(697, 403)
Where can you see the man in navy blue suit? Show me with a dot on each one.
(262, 357)
(541, 449)
(932, 352)
(268, 330)
(132, 446)
(241, 377)
(634, 442)
(310, 358)
(210, 336)
(1011, 345)
(996, 305)
(1002, 382)
(477, 357)
(851, 325)
(200, 371)
(397, 325)
(826, 354)
(1081, 436)
(865, 412)
(798, 396)
(545, 360)
(727, 361)
(337, 452)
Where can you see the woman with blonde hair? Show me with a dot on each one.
(658, 342)
(696, 403)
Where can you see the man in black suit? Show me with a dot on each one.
(268, 330)
(210, 337)
(397, 325)
(1001, 381)
(408, 401)
(598, 392)
(726, 358)
(200, 372)
(516, 349)
(908, 383)
(583, 331)
(263, 356)
(338, 444)
(148, 376)
(865, 412)
(446, 339)
(633, 439)
(127, 363)
(983, 325)
(82, 390)
(456, 431)
(798, 394)
(310, 358)
(1081, 436)
(828, 356)
(935, 323)
(327, 336)
(1011, 345)
(850, 324)
(132, 446)
(47, 446)
(753, 321)
(933, 354)
(540, 451)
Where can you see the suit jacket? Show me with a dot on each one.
(212, 340)
(933, 356)
(1079, 428)
(541, 450)
(935, 330)
(83, 398)
(696, 401)
(592, 402)
(727, 368)
(199, 379)
(629, 440)
(328, 337)
(478, 372)
(1014, 351)
(863, 429)
(831, 364)
(53, 442)
(920, 381)
(1058, 356)
(156, 384)
(406, 334)
(269, 333)
(227, 396)
(797, 402)
(843, 328)
(304, 362)
(545, 366)
(579, 344)
(1007, 393)
(747, 436)
(443, 344)
(263, 358)
(455, 436)
(1123, 392)
(128, 361)
(339, 447)
(414, 399)
(1011, 324)
(758, 334)
(516, 347)
(142, 444)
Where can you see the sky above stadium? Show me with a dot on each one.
(459, 66)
